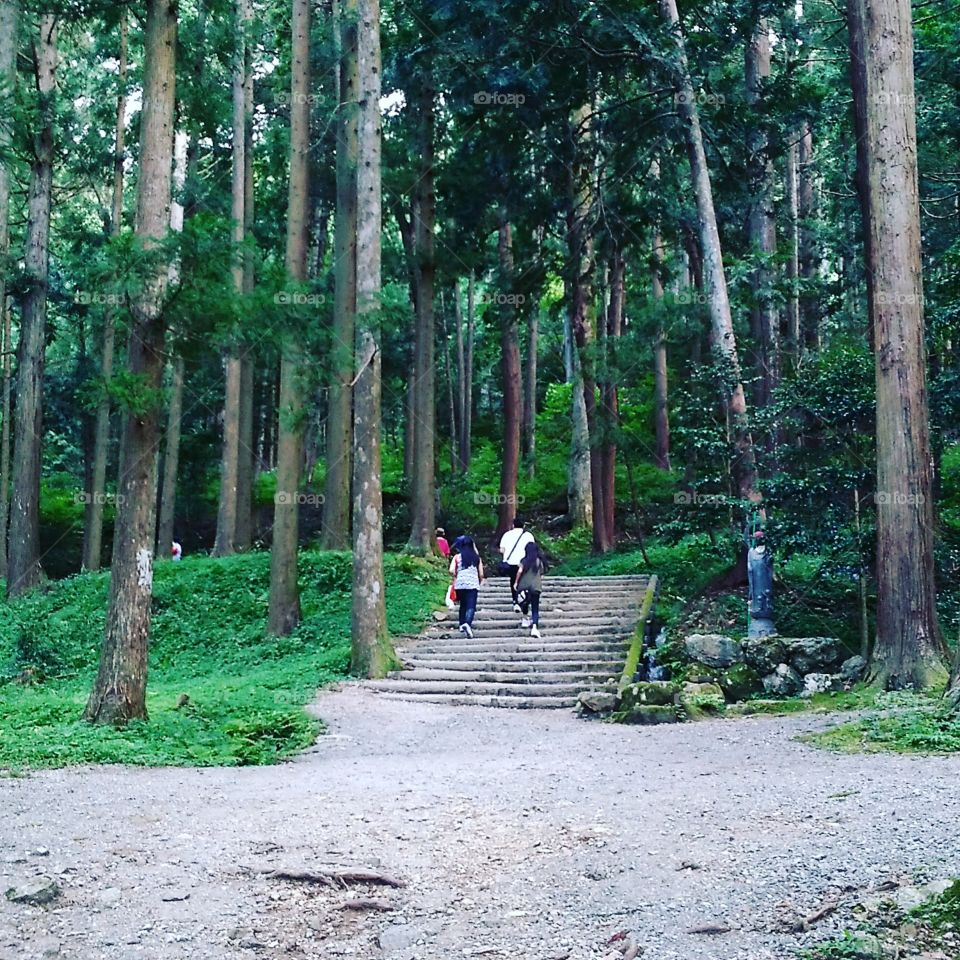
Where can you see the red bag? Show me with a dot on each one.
(452, 593)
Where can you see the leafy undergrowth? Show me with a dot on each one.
(919, 726)
(220, 692)
(930, 930)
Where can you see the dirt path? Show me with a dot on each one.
(520, 834)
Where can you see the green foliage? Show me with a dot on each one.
(846, 948)
(908, 723)
(943, 912)
(245, 691)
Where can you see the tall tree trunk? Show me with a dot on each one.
(93, 527)
(580, 250)
(761, 220)
(909, 649)
(461, 397)
(422, 491)
(183, 157)
(245, 468)
(512, 387)
(23, 568)
(171, 461)
(580, 488)
(529, 431)
(225, 542)
(372, 653)
(119, 692)
(794, 343)
(336, 509)
(715, 282)
(466, 441)
(809, 258)
(453, 408)
(9, 17)
(609, 401)
(661, 409)
(579, 500)
(284, 613)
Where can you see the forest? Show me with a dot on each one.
(293, 279)
(649, 310)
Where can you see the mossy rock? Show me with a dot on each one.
(702, 700)
(739, 682)
(652, 693)
(698, 672)
(648, 715)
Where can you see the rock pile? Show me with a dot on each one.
(778, 666)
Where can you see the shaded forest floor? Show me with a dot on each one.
(518, 834)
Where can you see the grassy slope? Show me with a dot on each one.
(246, 691)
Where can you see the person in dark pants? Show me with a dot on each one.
(512, 546)
(529, 585)
(466, 568)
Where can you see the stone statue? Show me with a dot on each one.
(760, 578)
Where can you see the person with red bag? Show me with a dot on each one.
(466, 568)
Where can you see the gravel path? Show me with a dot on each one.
(520, 834)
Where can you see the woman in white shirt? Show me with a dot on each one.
(513, 546)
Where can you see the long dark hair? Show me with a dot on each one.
(468, 553)
(532, 555)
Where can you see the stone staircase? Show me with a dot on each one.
(586, 624)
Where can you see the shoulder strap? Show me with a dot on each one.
(515, 542)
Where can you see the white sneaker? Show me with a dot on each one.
(534, 632)
(463, 628)
(516, 608)
(468, 630)
(525, 622)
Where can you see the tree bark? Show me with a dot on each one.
(792, 310)
(761, 221)
(529, 431)
(466, 442)
(245, 469)
(119, 692)
(171, 461)
(372, 653)
(9, 17)
(661, 410)
(809, 258)
(461, 392)
(225, 542)
(744, 463)
(182, 157)
(422, 505)
(580, 250)
(93, 526)
(453, 407)
(909, 649)
(512, 386)
(580, 494)
(336, 509)
(284, 612)
(609, 400)
(23, 567)
(579, 499)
